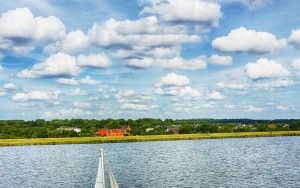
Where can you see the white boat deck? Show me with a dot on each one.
(100, 180)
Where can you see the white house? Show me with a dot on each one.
(76, 129)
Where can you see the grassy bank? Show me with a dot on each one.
(93, 140)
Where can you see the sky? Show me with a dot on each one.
(178, 59)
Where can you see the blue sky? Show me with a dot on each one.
(141, 58)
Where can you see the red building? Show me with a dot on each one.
(113, 132)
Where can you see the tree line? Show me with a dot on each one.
(41, 128)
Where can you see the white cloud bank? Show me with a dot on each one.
(66, 113)
(273, 85)
(188, 107)
(244, 40)
(77, 92)
(255, 4)
(245, 108)
(141, 39)
(141, 33)
(233, 85)
(72, 81)
(34, 95)
(172, 63)
(142, 42)
(253, 109)
(286, 107)
(245, 87)
(82, 104)
(250, 4)
(130, 100)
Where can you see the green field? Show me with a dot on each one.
(93, 140)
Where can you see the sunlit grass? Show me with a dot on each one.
(92, 140)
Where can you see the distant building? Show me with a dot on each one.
(196, 125)
(241, 125)
(149, 129)
(113, 132)
(75, 129)
(173, 129)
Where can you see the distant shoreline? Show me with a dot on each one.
(95, 140)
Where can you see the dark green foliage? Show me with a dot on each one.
(147, 126)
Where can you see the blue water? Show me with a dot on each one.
(245, 162)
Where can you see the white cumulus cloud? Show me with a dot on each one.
(265, 68)
(173, 79)
(176, 85)
(67, 81)
(233, 85)
(2, 93)
(193, 11)
(286, 107)
(230, 106)
(94, 60)
(77, 92)
(82, 104)
(220, 60)
(144, 37)
(59, 64)
(9, 86)
(296, 65)
(72, 81)
(295, 37)
(20, 31)
(141, 33)
(253, 109)
(158, 52)
(71, 43)
(255, 4)
(244, 40)
(215, 95)
(89, 81)
(184, 92)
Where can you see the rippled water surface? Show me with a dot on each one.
(247, 162)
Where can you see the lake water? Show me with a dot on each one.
(245, 162)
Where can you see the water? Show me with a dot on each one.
(246, 162)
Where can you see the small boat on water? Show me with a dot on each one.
(100, 179)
